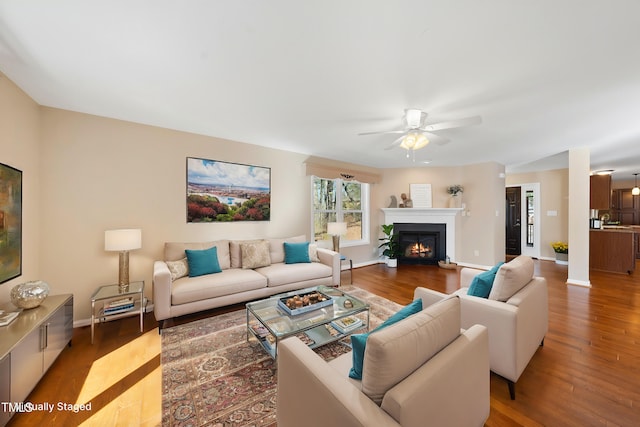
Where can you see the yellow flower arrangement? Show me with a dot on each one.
(560, 247)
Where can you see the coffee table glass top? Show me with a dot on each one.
(315, 324)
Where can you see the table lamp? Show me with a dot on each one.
(336, 229)
(123, 241)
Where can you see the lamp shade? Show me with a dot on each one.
(122, 240)
(337, 228)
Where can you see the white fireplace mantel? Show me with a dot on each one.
(447, 216)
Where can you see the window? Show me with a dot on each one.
(336, 200)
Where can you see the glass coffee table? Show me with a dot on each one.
(270, 321)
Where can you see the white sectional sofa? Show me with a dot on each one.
(240, 279)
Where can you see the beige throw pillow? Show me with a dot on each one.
(511, 277)
(178, 268)
(255, 254)
(313, 253)
(394, 352)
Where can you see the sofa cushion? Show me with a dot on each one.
(255, 254)
(511, 277)
(174, 251)
(296, 253)
(284, 274)
(203, 262)
(393, 353)
(178, 268)
(228, 282)
(481, 284)
(359, 341)
(276, 246)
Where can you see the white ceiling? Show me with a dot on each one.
(545, 75)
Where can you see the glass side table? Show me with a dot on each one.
(115, 303)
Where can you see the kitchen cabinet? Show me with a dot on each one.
(600, 192)
(30, 344)
(612, 250)
(625, 207)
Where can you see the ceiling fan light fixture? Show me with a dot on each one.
(414, 141)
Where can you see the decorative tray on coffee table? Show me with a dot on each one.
(303, 303)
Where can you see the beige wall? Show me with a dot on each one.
(554, 196)
(85, 174)
(103, 174)
(480, 236)
(19, 148)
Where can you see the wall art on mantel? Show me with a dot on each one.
(225, 192)
(10, 223)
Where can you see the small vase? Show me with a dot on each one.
(562, 259)
(455, 201)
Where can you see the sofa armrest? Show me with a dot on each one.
(332, 259)
(161, 291)
(304, 379)
(450, 389)
(428, 296)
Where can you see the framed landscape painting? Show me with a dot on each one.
(225, 192)
(10, 223)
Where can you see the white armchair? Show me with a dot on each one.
(421, 371)
(517, 326)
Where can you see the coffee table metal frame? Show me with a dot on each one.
(281, 325)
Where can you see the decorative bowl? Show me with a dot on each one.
(29, 294)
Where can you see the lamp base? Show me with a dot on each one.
(123, 271)
(336, 243)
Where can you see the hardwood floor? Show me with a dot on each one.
(587, 373)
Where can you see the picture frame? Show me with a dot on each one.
(219, 191)
(10, 222)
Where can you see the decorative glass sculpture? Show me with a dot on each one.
(29, 294)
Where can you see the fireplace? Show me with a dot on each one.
(447, 216)
(421, 243)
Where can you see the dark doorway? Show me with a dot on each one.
(514, 222)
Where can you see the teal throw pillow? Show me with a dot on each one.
(481, 284)
(295, 253)
(203, 262)
(359, 341)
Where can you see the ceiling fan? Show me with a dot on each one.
(416, 134)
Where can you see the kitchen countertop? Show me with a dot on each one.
(619, 228)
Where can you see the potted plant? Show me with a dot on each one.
(562, 252)
(391, 245)
(456, 195)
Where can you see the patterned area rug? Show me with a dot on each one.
(211, 375)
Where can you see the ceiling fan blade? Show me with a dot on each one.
(436, 139)
(395, 143)
(383, 132)
(469, 121)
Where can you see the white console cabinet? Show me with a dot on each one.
(30, 344)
